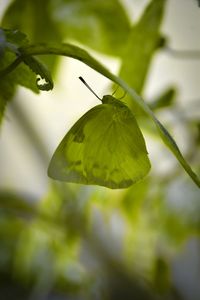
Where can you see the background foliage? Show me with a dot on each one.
(79, 242)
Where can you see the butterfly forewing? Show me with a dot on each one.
(105, 147)
(67, 162)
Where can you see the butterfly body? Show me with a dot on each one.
(104, 147)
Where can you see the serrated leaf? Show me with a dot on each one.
(25, 77)
(14, 39)
(21, 75)
(142, 43)
(40, 70)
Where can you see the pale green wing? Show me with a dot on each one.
(67, 161)
(105, 147)
(119, 157)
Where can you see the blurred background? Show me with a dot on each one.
(68, 241)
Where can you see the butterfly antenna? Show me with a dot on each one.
(83, 81)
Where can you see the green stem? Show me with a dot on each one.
(10, 67)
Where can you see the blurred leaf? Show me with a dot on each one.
(17, 205)
(134, 197)
(64, 206)
(161, 276)
(10, 229)
(34, 18)
(11, 288)
(144, 39)
(7, 85)
(123, 285)
(164, 100)
(181, 218)
(142, 227)
(2, 43)
(102, 25)
(15, 39)
(36, 248)
(7, 89)
(21, 75)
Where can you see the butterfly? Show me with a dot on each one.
(104, 147)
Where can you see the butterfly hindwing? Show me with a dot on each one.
(104, 147)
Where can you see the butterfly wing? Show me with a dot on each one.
(68, 162)
(119, 157)
(105, 147)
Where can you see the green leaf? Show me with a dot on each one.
(133, 198)
(11, 40)
(142, 43)
(20, 75)
(39, 69)
(105, 147)
(85, 57)
(24, 77)
(15, 38)
(108, 19)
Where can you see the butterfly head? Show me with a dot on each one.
(108, 99)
